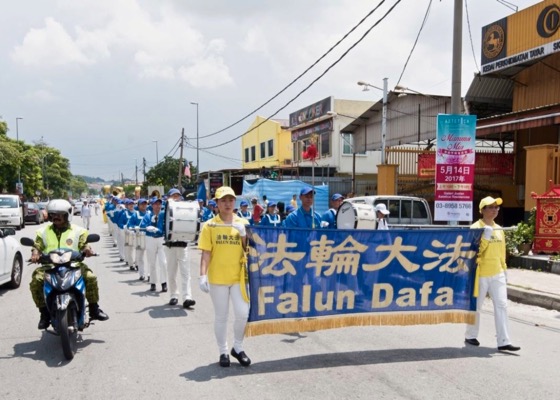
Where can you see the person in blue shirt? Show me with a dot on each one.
(134, 225)
(122, 222)
(304, 216)
(244, 212)
(329, 217)
(154, 223)
(118, 233)
(271, 218)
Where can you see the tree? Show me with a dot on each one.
(166, 174)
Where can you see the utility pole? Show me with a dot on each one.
(181, 160)
(144, 168)
(136, 170)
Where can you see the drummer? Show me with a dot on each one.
(381, 212)
(329, 217)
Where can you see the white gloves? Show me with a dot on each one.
(324, 224)
(240, 228)
(203, 283)
(137, 229)
(488, 232)
(152, 229)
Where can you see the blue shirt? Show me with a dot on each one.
(330, 217)
(135, 219)
(271, 220)
(152, 220)
(302, 219)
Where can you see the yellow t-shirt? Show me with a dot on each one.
(491, 258)
(226, 249)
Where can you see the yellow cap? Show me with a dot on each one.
(224, 191)
(488, 201)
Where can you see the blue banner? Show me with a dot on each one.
(301, 280)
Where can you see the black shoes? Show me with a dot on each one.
(472, 342)
(241, 357)
(173, 302)
(224, 360)
(509, 347)
(153, 287)
(97, 313)
(142, 277)
(164, 287)
(45, 320)
(188, 303)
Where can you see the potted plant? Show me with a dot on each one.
(520, 239)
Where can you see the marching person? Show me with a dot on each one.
(61, 233)
(176, 254)
(329, 217)
(491, 275)
(85, 212)
(304, 216)
(381, 213)
(222, 273)
(271, 218)
(122, 223)
(118, 233)
(134, 224)
(155, 255)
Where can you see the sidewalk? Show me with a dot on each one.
(534, 288)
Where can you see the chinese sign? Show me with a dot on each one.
(303, 280)
(455, 156)
(486, 164)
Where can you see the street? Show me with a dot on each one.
(148, 349)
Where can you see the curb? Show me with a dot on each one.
(532, 298)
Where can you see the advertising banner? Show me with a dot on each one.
(302, 280)
(455, 156)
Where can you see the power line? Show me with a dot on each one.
(300, 75)
(470, 37)
(312, 82)
(416, 41)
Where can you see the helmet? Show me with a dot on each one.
(60, 206)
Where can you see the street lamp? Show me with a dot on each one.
(384, 116)
(157, 158)
(17, 139)
(197, 165)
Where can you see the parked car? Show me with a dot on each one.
(43, 206)
(11, 259)
(77, 206)
(12, 211)
(34, 214)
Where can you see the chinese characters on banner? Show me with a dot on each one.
(455, 158)
(304, 279)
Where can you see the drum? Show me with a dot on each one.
(141, 240)
(355, 216)
(181, 221)
(129, 237)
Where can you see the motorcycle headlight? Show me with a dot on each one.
(61, 258)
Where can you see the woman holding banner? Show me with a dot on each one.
(491, 275)
(223, 241)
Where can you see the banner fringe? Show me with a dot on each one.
(293, 325)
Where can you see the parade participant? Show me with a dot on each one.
(118, 233)
(258, 210)
(85, 213)
(124, 216)
(329, 217)
(381, 213)
(304, 216)
(222, 273)
(213, 209)
(61, 233)
(134, 224)
(154, 223)
(293, 202)
(289, 210)
(243, 211)
(96, 206)
(491, 275)
(108, 210)
(176, 254)
(271, 218)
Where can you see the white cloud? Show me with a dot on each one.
(255, 41)
(40, 96)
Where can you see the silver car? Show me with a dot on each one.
(11, 258)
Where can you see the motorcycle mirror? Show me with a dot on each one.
(25, 241)
(93, 237)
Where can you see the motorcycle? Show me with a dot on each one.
(64, 290)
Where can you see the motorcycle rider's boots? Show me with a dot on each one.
(97, 313)
(45, 320)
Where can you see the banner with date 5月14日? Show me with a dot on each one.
(304, 280)
(455, 157)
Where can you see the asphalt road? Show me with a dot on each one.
(148, 349)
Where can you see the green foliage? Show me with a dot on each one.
(523, 233)
(166, 173)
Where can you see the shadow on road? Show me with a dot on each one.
(165, 311)
(333, 360)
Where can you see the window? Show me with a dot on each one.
(347, 143)
(271, 148)
(253, 153)
(263, 150)
(247, 155)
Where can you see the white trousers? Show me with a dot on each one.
(120, 241)
(155, 258)
(110, 227)
(496, 286)
(221, 294)
(129, 250)
(86, 221)
(178, 263)
(142, 270)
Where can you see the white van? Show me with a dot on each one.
(11, 211)
(404, 210)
